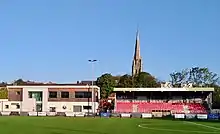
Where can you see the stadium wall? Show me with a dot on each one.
(11, 106)
(68, 112)
(69, 106)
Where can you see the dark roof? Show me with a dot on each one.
(87, 82)
(51, 84)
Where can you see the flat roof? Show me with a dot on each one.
(53, 86)
(165, 89)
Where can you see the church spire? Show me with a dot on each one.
(137, 54)
(137, 61)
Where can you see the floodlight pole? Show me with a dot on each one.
(88, 101)
(92, 62)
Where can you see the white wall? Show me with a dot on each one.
(29, 104)
(69, 105)
(26, 100)
(10, 108)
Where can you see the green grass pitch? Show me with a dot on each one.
(68, 125)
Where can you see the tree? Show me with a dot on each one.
(19, 82)
(116, 79)
(144, 80)
(196, 75)
(178, 78)
(104, 105)
(3, 84)
(202, 77)
(216, 98)
(125, 81)
(106, 83)
(3, 93)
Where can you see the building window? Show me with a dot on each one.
(18, 92)
(52, 94)
(36, 95)
(83, 94)
(6, 106)
(77, 108)
(18, 106)
(88, 95)
(87, 107)
(52, 109)
(64, 94)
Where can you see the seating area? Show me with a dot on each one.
(124, 107)
(196, 108)
(146, 107)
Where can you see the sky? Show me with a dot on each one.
(52, 40)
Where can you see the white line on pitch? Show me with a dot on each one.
(173, 130)
(197, 124)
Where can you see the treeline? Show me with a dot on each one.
(199, 77)
(3, 89)
(107, 82)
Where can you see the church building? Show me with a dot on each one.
(137, 65)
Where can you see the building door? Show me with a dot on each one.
(39, 107)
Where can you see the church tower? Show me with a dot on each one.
(137, 66)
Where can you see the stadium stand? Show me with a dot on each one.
(165, 100)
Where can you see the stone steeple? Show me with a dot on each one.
(137, 60)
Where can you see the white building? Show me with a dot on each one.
(51, 98)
